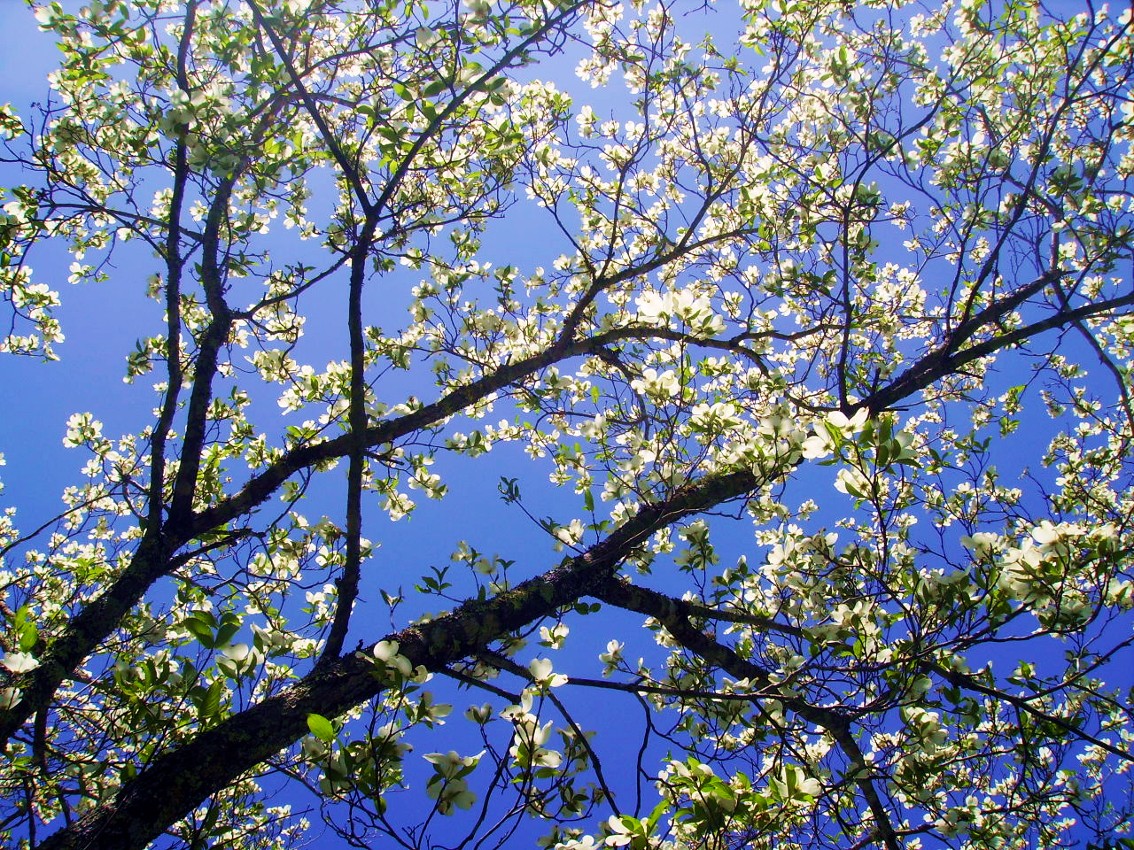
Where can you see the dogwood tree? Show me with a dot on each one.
(814, 321)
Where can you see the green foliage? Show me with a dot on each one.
(811, 328)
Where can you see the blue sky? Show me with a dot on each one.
(101, 323)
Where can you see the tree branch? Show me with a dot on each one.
(171, 786)
(674, 616)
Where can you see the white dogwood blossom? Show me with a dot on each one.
(726, 404)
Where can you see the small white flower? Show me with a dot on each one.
(612, 656)
(425, 38)
(479, 714)
(479, 9)
(621, 835)
(237, 651)
(818, 446)
(555, 636)
(18, 662)
(386, 652)
(981, 542)
(542, 673)
(449, 764)
(852, 482)
(657, 387)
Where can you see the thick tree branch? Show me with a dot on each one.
(175, 783)
(950, 357)
(728, 175)
(151, 561)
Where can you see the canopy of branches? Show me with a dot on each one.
(782, 350)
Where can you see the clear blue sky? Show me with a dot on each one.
(101, 323)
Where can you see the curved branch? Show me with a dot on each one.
(178, 781)
(347, 583)
(672, 614)
(503, 663)
(175, 265)
(962, 680)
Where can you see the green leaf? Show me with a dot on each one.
(435, 88)
(230, 625)
(26, 632)
(321, 727)
(655, 816)
(202, 629)
(210, 705)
